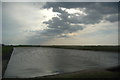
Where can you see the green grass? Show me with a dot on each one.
(6, 54)
(87, 74)
(100, 73)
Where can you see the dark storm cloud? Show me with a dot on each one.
(61, 24)
(56, 28)
(99, 6)
(112, 18)
(95, 10)
(95, 13)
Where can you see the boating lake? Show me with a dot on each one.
(26, 62)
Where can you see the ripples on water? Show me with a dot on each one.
(33, 62)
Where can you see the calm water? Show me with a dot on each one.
(38, 61)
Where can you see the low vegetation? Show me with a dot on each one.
(96, 74)
(6, 54)
(94, 48)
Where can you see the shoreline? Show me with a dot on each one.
(88, 73)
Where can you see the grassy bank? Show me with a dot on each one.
(95, 73)
(6, 51)
(6, 54)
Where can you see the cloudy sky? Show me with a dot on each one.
(60, 23)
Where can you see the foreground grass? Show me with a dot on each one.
(99, 73)
(6, 54)
(6, 51)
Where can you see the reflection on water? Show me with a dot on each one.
(38, 61)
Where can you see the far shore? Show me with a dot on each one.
(110, 48)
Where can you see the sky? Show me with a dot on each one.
(60, 23)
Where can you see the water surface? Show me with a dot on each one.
(29, 62)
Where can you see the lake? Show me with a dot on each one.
(27, 62)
